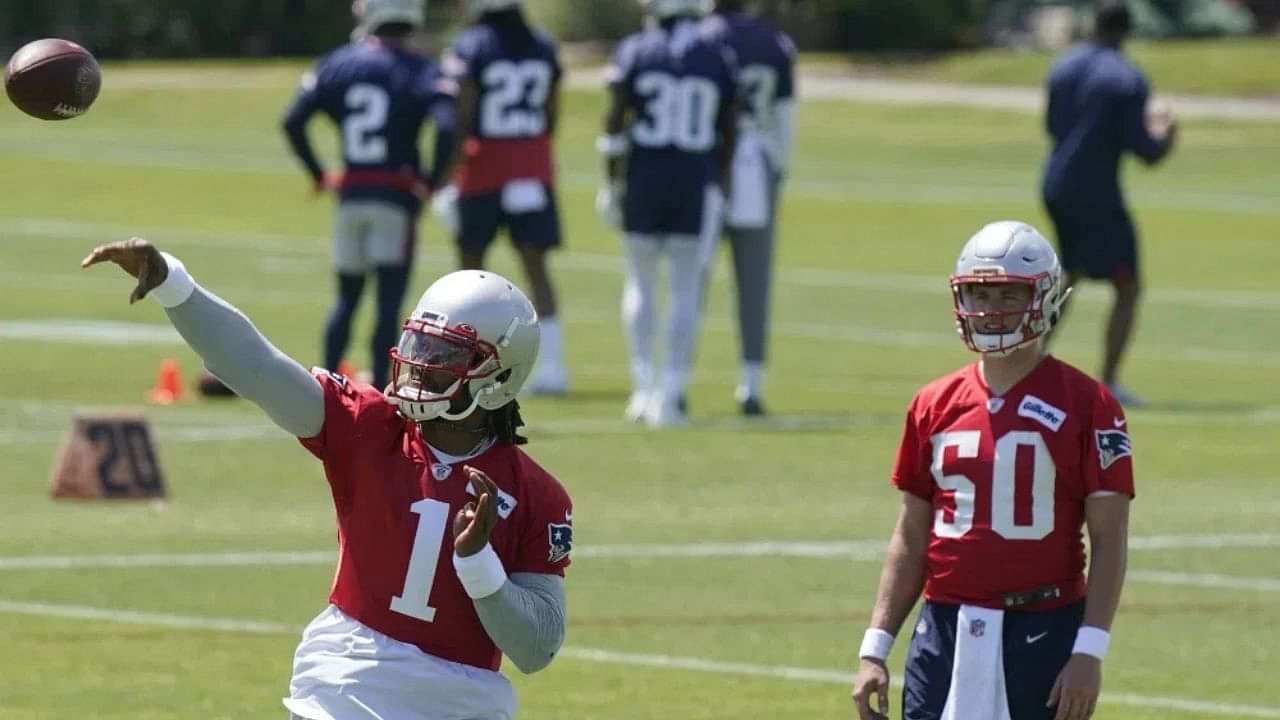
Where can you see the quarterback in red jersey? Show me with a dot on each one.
(1001, 465)
(453, 542)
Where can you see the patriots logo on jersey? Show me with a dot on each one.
(1112, 445)
(560, 536)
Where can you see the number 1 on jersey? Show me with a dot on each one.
(433, 518)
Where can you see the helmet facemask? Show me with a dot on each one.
(434, 368)
(1035, 319)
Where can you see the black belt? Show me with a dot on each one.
(1013, 601)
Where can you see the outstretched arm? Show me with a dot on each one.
(231, 347)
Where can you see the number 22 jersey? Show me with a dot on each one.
(395, 504)
(1008, 477)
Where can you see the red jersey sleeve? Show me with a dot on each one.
(546, 536)
(911, 469)
(1108, 452)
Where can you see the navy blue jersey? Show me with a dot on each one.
(766, 59)
(675, 81)
(379, 95)
(1096, 113)
(514, 74)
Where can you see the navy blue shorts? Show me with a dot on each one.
(481, 216)
(1098, 244)
(1037, 646)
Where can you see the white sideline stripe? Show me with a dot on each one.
(666, 662)
(871, 550)
(182, 622)
(1233, 582)
(90, 332)
(317, 248)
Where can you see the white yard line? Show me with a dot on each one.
(595, 655)
(869, 550)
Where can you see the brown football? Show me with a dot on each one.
(53, 79)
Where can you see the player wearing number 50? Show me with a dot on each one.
(379, 93)
(453, 543)
(1001, 464)
(508, 77)
(668, 142)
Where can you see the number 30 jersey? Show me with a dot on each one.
(675, 79)
(1008, 477)
(395, 505)
(515, 75)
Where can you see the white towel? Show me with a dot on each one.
(977, 672)
(524, 196)
(749, 202)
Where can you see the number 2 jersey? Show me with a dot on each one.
(676, 79)
(515, 72)
(395, 506)
(1008, 478)
(379, 96)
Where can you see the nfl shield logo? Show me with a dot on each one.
(978, 628)
(440, 471)
(560, 537)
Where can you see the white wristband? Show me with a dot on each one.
(177, 286)
(1092, 641)
(481, 574)
(876, 644)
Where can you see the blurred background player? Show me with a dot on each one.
(508, 77)
(1000, 465)
(766, 83)
(379, 93)
(1097, 111)
(668, 141)
(453, 544)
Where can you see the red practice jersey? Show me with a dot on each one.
(1008, 477)
(395, 505)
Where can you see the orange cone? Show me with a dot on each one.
(346, 368)
(168, 388)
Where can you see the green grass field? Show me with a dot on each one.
(880, 201)
(1244, 67)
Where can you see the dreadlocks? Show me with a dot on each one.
(504, 423)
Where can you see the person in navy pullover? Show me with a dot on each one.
(1098, 111)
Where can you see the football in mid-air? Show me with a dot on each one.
(53, 79)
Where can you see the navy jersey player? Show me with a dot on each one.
(766, 58)
(508, 77)
(1097, 112)
(379, 93)
(1001, 465)
(669, 137)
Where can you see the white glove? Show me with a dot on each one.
(609, 203)
(444, 205)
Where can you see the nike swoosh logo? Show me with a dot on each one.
(1120, 422)
(1032, 639)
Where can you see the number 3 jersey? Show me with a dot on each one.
(395, 505)
(514, 72)
(1008, 477)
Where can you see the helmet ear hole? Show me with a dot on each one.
(504, 376)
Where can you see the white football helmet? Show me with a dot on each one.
(1009, 252)
(374, 13)
(662, 9)
(472, 332)
(476, 8)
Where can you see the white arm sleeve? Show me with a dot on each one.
(526, 618)
(234, 351)
(782, 134)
